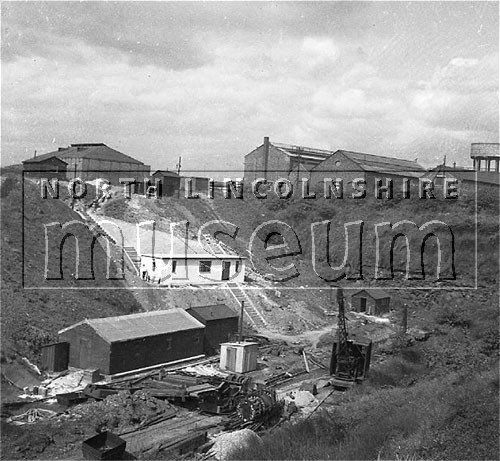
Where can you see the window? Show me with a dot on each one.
(174, 266)
(237, 269)
(205, 266)
(337, 163)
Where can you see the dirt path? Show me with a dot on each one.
(311, 336)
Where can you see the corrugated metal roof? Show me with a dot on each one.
(142, 325)
(382, 164)
(308, 153)
(43, 157)
(215, 312)
(97, 151)
(165, 173)
(374, 293)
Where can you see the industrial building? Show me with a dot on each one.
(371, 301)
(273, 161)
(349, 166)
(221, 324)
(96, 160)
(129, 342)
(45, 166)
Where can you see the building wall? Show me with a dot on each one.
(347, 170)
(217, 331)
(89, 169)
(86, 348)
(373, 306)
(163, 271)
(278, 165)
(155, 350)
(50, 168)
(170, 185)
(340, 166)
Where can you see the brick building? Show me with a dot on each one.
(348, 166)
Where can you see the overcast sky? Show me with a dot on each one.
(208, 81)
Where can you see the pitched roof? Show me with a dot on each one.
(165, 173)
(142, 325)
(96, 151)
(215, 312)
(382, 164)
(374, 293)
(43, 157)
(306, 153)
(470, 175)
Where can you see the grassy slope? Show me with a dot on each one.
(32, 317)
(436, 399)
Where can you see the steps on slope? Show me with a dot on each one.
(251, 311)
(133, 257)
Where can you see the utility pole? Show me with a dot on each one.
(178, 166)
(240, 336)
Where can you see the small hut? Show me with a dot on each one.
(371, 301)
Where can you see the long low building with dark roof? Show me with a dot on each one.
(129, 342)
(89, 161)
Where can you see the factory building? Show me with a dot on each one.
(273, 161)
(349, 166)
(96, 160)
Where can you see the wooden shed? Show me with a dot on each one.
(239, 357)
(170, 182)
(55, 357)
(129, 342)
(371, 301)
(221, 323)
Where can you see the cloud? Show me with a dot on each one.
(207, 81)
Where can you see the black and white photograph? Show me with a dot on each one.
(250, 230)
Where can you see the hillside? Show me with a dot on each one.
(432, 399)
(33, 308)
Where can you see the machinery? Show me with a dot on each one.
(350, 359)
(257, 404)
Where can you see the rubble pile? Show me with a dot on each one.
(123, 411)
(227, 444)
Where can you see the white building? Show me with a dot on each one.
(192, 268)
(196, 261)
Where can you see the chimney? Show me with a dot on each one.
(266, 156)
(34, 155)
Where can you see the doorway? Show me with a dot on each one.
(231, 358)
(226, 268)
(85, 353)
(362, 305)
